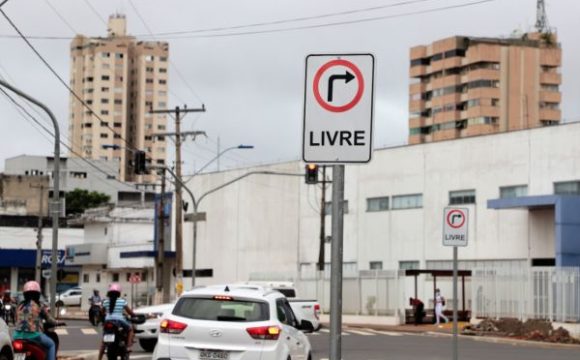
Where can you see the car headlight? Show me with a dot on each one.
(154, 316)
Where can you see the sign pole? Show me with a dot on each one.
(455, 302)
(336, 263)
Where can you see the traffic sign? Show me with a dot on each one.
(46, 273)
(135, 278)
(455, 226)
(338, 108)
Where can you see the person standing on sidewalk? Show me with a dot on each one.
(439, 303)
(418, 309)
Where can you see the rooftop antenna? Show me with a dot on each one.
(542, 18)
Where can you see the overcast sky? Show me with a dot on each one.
(252, 84)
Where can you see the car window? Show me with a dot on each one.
(281, 313)
(289, 293)
(289, 313)
(222, 310)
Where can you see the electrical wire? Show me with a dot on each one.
(175, 68)
(99, 16)
(313, 26)
(60, 16)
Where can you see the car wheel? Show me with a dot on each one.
(148, 344)
(59, 303)
(6, 354)
(309, 356)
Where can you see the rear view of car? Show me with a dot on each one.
(236, 325)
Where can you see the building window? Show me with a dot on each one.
(104, 101)
(328, 207)
(105, 77)
(117, 124)
(104, 112)
(162, 82)
(105, 55)
(162, 70)
(115, 277)
(118, 102)
(149, 58)
(567, 188)
(85, 278)
(550, 87)
(104, 89)
(376, 265)
(98, 279)
(163, 58)
(149, 81)
(118, 55)
(104, 136)
(509, 192)
(462, 197)
(409, 265)
(378, 204)
(414, 201)
(149, 69)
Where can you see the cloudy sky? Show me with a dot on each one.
(250, 76)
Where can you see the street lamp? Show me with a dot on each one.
(239, 147)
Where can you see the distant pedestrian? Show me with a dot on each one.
(439, 303)
(419, 310)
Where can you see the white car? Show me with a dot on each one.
(147, 332)
(5, 342)
(71, 297)
(232, 322)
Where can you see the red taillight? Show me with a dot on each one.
(172, 327)
(223, 298)
(109, 326)
(265, 332)
(18, 345)
(317, 311)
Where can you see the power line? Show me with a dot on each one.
(165, 36)
(60, 16)
(99, 16)
(177, 71)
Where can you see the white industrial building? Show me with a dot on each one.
(521, 188)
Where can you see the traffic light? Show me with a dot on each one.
(140, 162)
(311, 176)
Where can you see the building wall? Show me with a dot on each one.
(117, 77)
(270, 224)
(24, 195)
(464, 86)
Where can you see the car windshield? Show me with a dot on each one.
(222, 310)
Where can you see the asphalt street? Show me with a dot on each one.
(361, 344)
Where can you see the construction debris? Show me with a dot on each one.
(534, 330)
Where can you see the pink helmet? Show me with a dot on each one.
(31, 286)
(115, 287)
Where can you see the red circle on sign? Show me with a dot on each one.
(462, 219)
(357, 96)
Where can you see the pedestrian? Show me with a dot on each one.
(419, 310)
(439, 303)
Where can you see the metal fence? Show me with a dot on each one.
(371, 292)
(529, 293)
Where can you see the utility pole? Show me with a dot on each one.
(321, 255)
(38, 263)
(162, 265)
(178, 199)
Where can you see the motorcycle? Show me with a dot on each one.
(115, 338)
(9, 313)
(95, 315)
(30, 350)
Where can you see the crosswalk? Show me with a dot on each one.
(360, 332)
(69, 331)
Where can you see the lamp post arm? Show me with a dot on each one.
(55, 190)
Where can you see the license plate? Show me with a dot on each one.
(109, 338)
(20, 356)
(213, 355)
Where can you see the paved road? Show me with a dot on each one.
(363, 344)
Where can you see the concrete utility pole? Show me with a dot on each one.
(162, 264)
(336, 262)
(178, 199)
(55, 208)
(38, 262)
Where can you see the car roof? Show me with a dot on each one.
(239, 290)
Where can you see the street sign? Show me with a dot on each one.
(338, 108)
(135, 278)
(455, 226)
(46, 273)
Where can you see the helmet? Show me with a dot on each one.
(115, 287)
(32, 286)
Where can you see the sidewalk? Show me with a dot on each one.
(384, 324)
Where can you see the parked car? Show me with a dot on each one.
(147, 333)
(304, 309)
(6, 352)
(233, 322)
(71, 297)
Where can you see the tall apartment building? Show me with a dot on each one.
(120, 79)
(466, 86)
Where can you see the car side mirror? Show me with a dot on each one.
(305, 326)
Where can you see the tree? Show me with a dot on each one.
(78, 200)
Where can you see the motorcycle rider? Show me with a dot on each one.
(95, 308)
(96, 298)
(114, 307)
(29, 320)
(7, 300)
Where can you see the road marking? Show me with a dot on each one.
(360, 332)
(388, 333)
(144, 356)
(61, 331)
(324, 331)
(89, 331)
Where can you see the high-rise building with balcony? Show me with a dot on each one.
(119, 78)
(466, 86)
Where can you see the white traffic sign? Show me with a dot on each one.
(338, 108)
(455, 226)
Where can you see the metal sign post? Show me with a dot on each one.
(336, 262)
(455, 234)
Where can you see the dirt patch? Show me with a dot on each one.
(534, 330)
